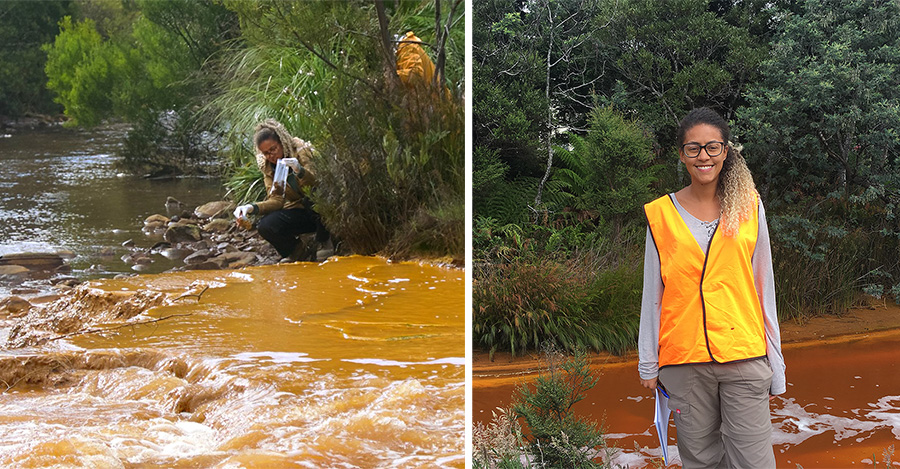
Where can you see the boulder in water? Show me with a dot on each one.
(13, 269)
(155, 219)
(175, 253)
(182, 232)
(65, 254)
(33, 261)
(198, 257)
(14, 306)
(174, 206)
(217, 209)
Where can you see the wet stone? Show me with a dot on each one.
(198, 257)
(143, 260)
(217, 209)
(238, 259)
(174, 205)
(205, 265)
(156, 219)
(182, 232)
(175, 253)
(33, 261)
(14, 306)
(13, 270)
(217, 225)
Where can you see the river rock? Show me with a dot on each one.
(226, 247)
(182, 232)
(128, 244)
(209, 264)
(175, 253)
(198, 257)
(217, 209)
(13, 269)
(174, 206)
(156, 219)
(218, 225)
(33, 261)
(13, 306)
(235, 260)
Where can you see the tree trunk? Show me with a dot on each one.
(387, 49)
(537, 199)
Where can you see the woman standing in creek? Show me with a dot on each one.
(709, 331)
(287, 211)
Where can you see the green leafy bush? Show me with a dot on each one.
(589, 300)
(557, 437)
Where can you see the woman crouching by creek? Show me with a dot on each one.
(709, 331)
(287, 211)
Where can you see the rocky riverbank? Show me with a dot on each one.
(201, 238)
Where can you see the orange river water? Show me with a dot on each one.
(841, 409)
(355, 362)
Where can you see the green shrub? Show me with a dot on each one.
(556, 436)
(390, 159)
(524, 303)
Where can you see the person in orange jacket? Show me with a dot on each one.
(709, 330)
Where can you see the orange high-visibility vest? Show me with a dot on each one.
(710, 307)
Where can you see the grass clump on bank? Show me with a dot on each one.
(585, 299)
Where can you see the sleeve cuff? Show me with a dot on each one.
(255, 209)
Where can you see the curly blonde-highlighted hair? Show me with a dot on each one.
(736, 189)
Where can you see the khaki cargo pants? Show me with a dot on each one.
(722, 413)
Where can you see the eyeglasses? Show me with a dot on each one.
(692, 150)
(271, 152)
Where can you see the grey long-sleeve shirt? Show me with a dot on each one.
(651, 302)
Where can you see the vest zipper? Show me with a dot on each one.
(702, 300)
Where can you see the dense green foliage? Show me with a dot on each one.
(822, 132)
(195, 77)
(25, 26)
(145, 63)
(390, 158)
(811, 89)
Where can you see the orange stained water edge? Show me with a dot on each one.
(841, 409)
(356, 362)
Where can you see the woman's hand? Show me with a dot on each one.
(243, 211)
(293, 164)
(649, 383)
